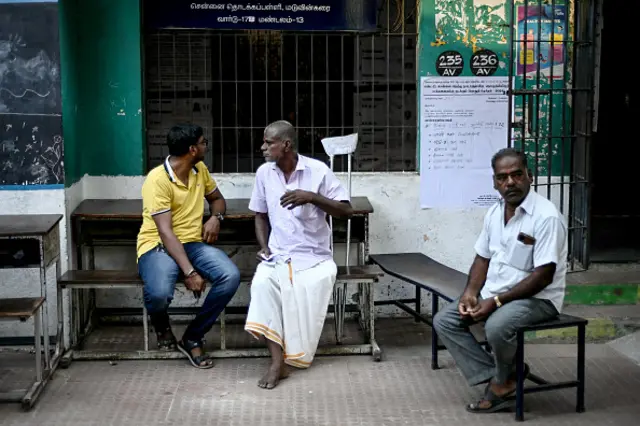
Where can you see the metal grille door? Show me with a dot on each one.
(552, 80)
(233, 83)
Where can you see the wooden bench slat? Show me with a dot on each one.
(448, 283)
(99, 276)
(561, 321)
(21, 307)
(131, 277)
(359, 272)
(27, 224)
(419, 269)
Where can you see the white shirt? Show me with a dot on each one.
(513, 260)
(301, 234)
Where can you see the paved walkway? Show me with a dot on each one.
(401, 390)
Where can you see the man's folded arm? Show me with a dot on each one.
(332, 198)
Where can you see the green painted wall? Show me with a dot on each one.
(102, 88)
(467, 26)
(69, 79)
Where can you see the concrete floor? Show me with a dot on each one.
(402, 389)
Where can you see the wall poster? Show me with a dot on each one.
(540, 32)
(463, 122)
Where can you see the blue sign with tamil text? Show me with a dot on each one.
(305, 15)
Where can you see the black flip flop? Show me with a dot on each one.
(186, 346)
(498, 403)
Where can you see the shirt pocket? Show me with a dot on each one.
(521, 256)
(305, 212)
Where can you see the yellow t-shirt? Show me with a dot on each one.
(162, 191)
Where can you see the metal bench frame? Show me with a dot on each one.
(365, 311)
(542, 385)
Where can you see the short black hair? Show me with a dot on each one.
(509, 152)
(181, 137)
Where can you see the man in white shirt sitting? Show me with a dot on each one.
(291, 288)
(517, 278)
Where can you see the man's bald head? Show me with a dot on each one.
(281, 130)
(279, 142)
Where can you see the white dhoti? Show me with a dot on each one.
(289, 307)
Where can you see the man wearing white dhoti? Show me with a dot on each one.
(293, 283)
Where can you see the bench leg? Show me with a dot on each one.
(520, 377)
(581, 376)
(44, 310)
(37, 332)
(29, 399)
(145, 326)
(434, 335)
(59, 347)
(67, 352)
(338, 310)
(362, 303)
(223, 336)
(371, 318)
(76, 322)
(66, 358)
(418, 303)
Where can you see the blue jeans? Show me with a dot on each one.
(159, 272)
(475, 363)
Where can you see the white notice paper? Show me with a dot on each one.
(463, 122)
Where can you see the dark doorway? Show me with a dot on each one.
(615, 225)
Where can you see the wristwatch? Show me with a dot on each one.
(498, 303)
(219, 216)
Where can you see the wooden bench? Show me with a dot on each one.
(448, 284)
(364, 276)
(22, 309)
(116, 222)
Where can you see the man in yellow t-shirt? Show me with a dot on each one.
(173, 243)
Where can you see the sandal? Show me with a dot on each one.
(496, 403)
(186, 346)
(166, 343)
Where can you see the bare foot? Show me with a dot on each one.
(501, 390)
(274, 374)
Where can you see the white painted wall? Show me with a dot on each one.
(397, 225)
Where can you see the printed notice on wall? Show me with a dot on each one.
(463, 122)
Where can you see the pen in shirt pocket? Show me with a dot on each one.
(526, 239)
